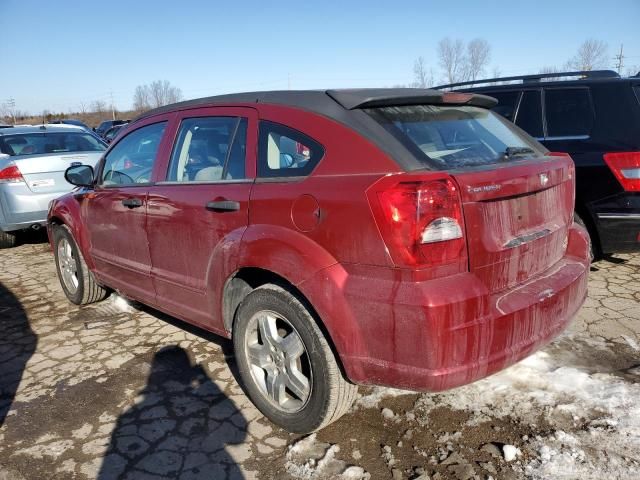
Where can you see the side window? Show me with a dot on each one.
(530, 113)
(569, 112)
(209, 149)
(131, 160)
(285, 152)
(507, 102)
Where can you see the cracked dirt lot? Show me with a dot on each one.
(119, 391)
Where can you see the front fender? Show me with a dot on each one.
(67, 210)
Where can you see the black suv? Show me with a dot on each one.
(595, 117)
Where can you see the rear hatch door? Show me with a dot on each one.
(517, 218)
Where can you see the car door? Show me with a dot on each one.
(196, 216)
(115, 213)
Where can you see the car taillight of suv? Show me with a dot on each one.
(626, 168)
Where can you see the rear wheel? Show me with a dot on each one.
(7, 239)
(285, 363)
(580, 222)
(75, 278)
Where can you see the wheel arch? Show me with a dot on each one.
(67, 212)
(245, 280)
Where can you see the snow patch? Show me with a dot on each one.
(510, 452)
(372, 399)
(120, 303)
(310, 459)
(603, 408)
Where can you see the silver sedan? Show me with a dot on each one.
(32, 165)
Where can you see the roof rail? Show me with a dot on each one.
(537, 77)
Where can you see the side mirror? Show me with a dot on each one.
(79, 175)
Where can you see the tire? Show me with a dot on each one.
(8, 239)
(579, 221)
(76, 280)
(328, 394)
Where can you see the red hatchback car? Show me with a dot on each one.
(400, 237)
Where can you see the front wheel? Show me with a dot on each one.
(75, 278)
(286, 365)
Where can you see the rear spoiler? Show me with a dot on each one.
(353, 99)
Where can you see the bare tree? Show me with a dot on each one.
(156, 94)
(141, 98)
(421, 77)
(462, 63)
(591, 55)
(452, 61)
(99, 106)
(82, 107)
(478, 56)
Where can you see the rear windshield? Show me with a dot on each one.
(447, 137)
(46, 143)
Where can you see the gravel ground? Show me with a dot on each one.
(121, 391)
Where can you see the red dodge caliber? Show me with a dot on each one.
(400, 237)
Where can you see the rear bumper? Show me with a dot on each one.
(438, 334)
(20, 208)
(618, 221)
(619, 232)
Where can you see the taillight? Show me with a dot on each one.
(626, 167)
(422, 223)
(11, 174)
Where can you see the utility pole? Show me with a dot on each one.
(620, 59)
(11, 105)
(113, 111)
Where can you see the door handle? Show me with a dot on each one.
(132, 203)
(223, 206)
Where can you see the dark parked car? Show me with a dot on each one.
(107, 124)
(595, 117)
(396, 236)
(112, 132)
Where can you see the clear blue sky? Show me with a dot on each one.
(56, 54)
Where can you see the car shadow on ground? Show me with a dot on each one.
(225, 344)
(17, 344)
(181, 426)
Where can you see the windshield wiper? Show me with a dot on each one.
(515, 151)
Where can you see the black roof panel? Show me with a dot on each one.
(321, 101)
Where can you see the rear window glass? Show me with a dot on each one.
(530, 113)
(455, 136)
(507, 102)
(569, 112)
(49, 143)
(285, 152)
